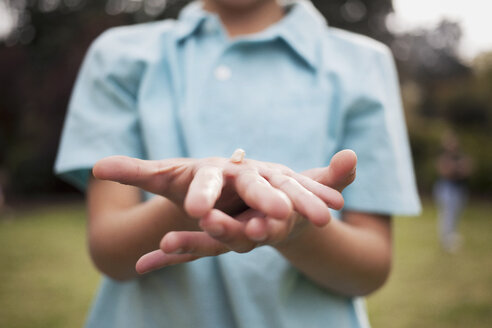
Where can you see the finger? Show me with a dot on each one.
(257, 193)
(228, 230)
(204, 190)
(305, 202)
(197, 243)
(343, 169)
(149, 175)
(271, 230)
(257, 229)
(158, 259)
(339, 174)
(332, 197)
(123, 169)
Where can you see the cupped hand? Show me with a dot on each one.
(199, 185)
(249, 229)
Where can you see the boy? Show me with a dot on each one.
(279, 83)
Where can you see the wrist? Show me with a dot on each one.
(172, 215)
(300, 227)
(304, 236)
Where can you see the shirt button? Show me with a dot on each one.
(223, 73)
(209, 27)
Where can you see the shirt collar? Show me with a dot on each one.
(301, 28)
(190, 18)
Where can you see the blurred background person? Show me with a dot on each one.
(453, 167)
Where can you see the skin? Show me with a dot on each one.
(209, 207)
(241, 17)
(351, 257)
(122, 228)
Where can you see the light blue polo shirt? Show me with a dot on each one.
(295, 94)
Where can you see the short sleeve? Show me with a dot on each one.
(375, 129)
(102, 118)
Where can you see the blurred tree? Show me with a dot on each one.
(482, 67)
(39, 60)
(450, 94)
(477, 130)
(361, 16)
(430, 58)
(431, 54)
(467, 110)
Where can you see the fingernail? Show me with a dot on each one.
(260, 238)
(178, 251)
(215, 230)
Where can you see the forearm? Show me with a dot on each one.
(119, 234)
(344, 257)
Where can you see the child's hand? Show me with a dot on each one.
(199, 185)
(248, 230)
(222, 233)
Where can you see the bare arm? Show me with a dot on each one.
(121, 228)
(351, 257)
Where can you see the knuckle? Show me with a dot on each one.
(219, 250)
(290, 184)
(244, 247)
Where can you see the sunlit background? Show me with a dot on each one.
(443, 51)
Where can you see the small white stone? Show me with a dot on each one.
(238, 156)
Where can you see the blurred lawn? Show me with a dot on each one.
(430, 288)
(46, 279)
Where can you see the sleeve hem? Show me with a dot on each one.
(394, 208)
(76, 175)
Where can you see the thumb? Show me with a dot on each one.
(340, 173)
(342, 169)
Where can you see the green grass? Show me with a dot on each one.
(47, 280)
(431, 288)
